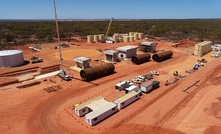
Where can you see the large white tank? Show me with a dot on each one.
(140, 36)
(11, 58)
(131, 33)
(96, 38)
(115, 38)
(126, 38)
(136, 36)
(90, 39)
(131, 38)
(101, 36)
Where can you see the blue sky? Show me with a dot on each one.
(105, 9)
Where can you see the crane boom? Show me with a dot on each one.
(108, 28)
(58, 36)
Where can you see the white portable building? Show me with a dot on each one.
(146, 87)
(111, 55)
(101, 113)
(83, 108)
(82, 62)
(126, 51)
(126, 99)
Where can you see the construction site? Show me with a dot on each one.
(36, 100)
(120, 83)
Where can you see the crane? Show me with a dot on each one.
(108, 28)
(62, 73)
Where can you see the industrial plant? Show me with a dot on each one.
(111, 82)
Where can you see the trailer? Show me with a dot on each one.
(101, 113)
(127, 99)
(82, 109)
(146, 87)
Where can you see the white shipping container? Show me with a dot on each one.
(146, 87)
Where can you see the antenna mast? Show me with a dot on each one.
(58, 36)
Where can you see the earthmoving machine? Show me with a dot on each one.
(167, 83)
(175, 73)
(203, 60)
(108, 29)
(35, 59)
(62, 73)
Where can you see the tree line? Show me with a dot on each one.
(21, 32)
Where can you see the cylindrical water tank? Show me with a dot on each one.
(136, 36)
(126, 38)
(115, 38)
(131, 33)
(140, 36)
(96, 38)
(11, 58)
(101, 36)
(131, 38)
(90, 39)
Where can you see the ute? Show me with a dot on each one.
(35, 59)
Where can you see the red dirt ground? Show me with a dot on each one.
(166, 110)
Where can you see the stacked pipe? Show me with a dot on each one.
(141, 58)
(89, 74)
(161, 56)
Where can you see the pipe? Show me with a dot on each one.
(89, 74)
(161, 56)
(141, 58)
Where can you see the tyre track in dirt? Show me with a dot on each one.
(182, 104)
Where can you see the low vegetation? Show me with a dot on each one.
(22, 32)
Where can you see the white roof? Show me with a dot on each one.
(81, 59)
(100, 110)
(125, 48)
(146, 84)
(97, 104)
(121, 83)
(218, 45)
(131, 88)
(148, 43)
(110, 52)
(126, 96)
(84, 104)
(9, 52)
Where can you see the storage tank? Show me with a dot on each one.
(141, 58)
(101, 36)
(11, 58)
(89, 74)
(131, 33)
(131, 38)
(136, 36)
(115, 38)
(126, 38)
(90, 39)
(140, 36)
(161, 56)
(96, 38)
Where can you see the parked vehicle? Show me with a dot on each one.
(154, 73)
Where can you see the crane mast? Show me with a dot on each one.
(108, 28)
(62, 74)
